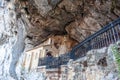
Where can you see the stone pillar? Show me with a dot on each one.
(64, 72)
(24, 60)
(31, 60)
(34, 62)
(70, 69)
(27, 62)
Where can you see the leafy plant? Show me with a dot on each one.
(116, 53)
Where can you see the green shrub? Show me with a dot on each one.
(116, 53)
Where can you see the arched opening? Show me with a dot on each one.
(49, 54)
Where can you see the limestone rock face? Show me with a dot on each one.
(77, 18)
(25, 24)
(11, 40)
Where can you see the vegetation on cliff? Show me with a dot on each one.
(116, 52)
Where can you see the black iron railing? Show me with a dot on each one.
(103, 38)
(54, 62)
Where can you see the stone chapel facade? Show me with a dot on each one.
(56, 45)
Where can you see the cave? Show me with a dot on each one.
(80, 37)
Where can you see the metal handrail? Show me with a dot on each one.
(107, 27)
(98, 33)
(107, 35)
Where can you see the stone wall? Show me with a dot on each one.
(98, 64)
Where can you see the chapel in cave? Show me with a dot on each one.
(54, 46)
(59, 39)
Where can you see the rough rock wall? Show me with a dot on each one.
(13, 39)
(12, 36)
(98, 64)
(8, 39)
(76, 18)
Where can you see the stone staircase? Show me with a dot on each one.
(53, 74)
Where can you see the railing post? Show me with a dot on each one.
(95, 44)
(89, 47)
(109, 37)
(106, 37)
(72, 54)
(117, 32)
(103, 44)
(114, 33)
(103, 36)
(98, 42)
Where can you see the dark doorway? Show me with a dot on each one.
(49, 54)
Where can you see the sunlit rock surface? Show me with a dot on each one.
(7, 40)
(12, 37)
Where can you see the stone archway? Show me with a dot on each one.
(49, 54)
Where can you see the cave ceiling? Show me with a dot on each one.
(76, 18)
